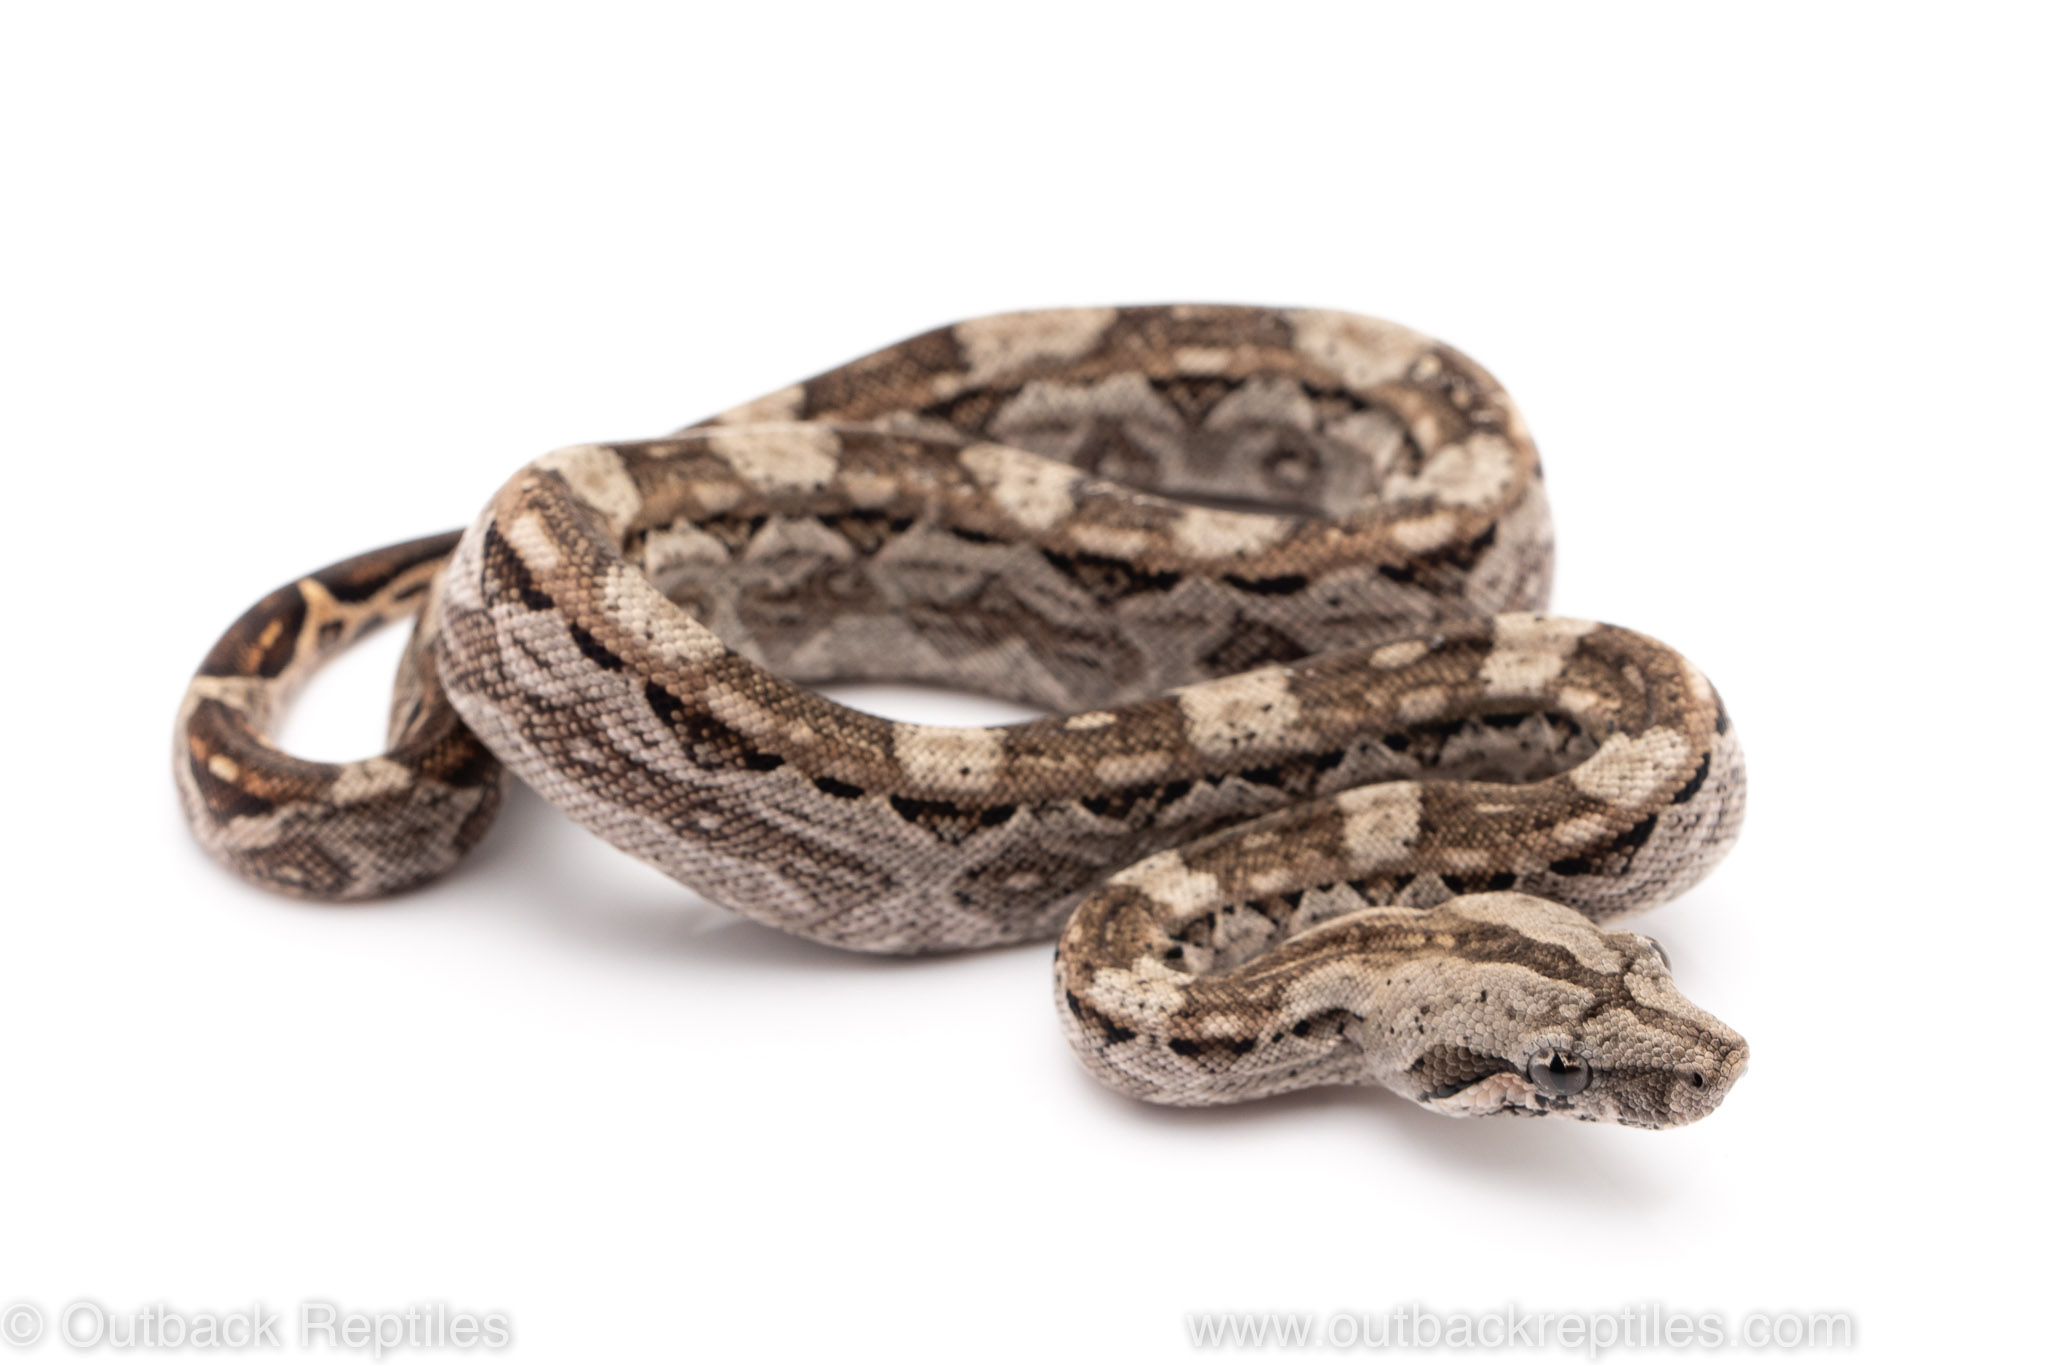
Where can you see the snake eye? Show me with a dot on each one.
(1660, 951)
(1559, 1073)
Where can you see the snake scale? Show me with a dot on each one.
(1323, 796)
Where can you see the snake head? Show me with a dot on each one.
(1548, 1014)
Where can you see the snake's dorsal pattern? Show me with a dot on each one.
(1314, 765)
(1389, 931)
(339, 830)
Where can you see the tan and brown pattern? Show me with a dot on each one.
(1325, 799)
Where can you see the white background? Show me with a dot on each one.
(282, 284)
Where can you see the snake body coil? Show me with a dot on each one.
(1325, 799)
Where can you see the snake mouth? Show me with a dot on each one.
(1509, 1092)
(1505, 1090)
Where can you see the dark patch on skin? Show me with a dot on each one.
(1460, 557)
(832, 786)
(594, 651)
(1248, 644)
(225, 800)
(479, 820)
(462, 762)
(1090, 1017)
(712, 743)
(263, 642)
(971, 410)
(1492, 746)
(1636, 835)
(1089, 657)
(1269, 910)
(299, 864)
(915, 810)
(505, 570)
(1293, 469)
(1107, 579)
(1109, 449)
(1281, 585)
(989, 884)
(1324, 1027)
(668, 707)
(1193, 396)
(363, 577)
(1695, 782)
(1214, 1050)
(1115, 805)
(1572, 867)
(1295, 774)
(945, 820)
(864, 528)
(733, 532)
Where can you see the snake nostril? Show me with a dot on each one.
(1699, 1081)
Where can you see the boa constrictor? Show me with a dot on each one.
(1324, 799)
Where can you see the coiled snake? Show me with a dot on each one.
(1323, 800)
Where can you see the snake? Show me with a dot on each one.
(1321, 794)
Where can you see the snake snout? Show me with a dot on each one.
(1696, 1091)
